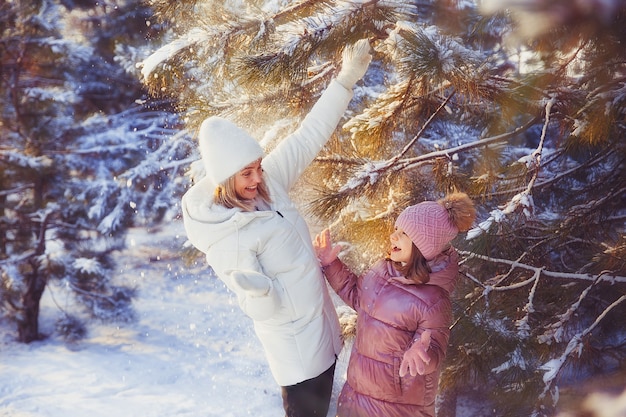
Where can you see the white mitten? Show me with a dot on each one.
(258, 295)
(355, 60)
(253, 283)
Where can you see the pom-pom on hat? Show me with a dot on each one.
(225, 148)
(431, 225)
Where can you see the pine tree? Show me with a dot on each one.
(529, 123)
(81, 160)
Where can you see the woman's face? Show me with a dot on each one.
(247, 180)
(401, 246)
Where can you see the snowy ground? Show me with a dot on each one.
(191, 352)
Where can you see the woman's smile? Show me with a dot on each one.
(248, 179)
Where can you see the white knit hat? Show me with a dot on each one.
(225, 148)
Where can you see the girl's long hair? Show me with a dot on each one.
(226, 195)
(416, 269)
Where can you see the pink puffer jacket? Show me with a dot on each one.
(391, 314)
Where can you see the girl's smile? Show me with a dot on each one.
(401, 246)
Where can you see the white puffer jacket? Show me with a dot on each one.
(296, 321)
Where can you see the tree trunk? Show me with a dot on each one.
(28, 323)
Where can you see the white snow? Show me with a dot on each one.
(169, 50)
(88, 265)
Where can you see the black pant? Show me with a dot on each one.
(310, 398)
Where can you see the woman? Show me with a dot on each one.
(403, 311)
(240, 215)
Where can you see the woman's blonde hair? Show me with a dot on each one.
(226, 195)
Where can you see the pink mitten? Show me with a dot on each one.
(416, 357)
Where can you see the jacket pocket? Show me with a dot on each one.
(397, 384)
(413, 388)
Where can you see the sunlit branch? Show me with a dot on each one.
(339, 159)
(410, 162)
(376, 170)
(423, 128)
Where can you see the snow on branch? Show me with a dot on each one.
(523, 200)
(170, 50)
(555, 330)
(362, 210)
(516, 359)
(553, 367)
(88, 266)
(445, 153)
(553, 274)
(386, 107)
(522, 324)
(16, 158)
(373, 170)
(368, 173)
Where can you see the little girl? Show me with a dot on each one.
(403, 311)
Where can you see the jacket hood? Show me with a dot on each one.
(445, 269)
(206, 222)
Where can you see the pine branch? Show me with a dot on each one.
(560, 175)
(523, 323)
(370, 129)
(410, 144)
(524, 198)
(340, 160)
(286, 55)
(555, 330)
(542, 271)
(410, 162)
(373, 171)
(575, 345)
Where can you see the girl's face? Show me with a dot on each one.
(401, 246)
(247, 180)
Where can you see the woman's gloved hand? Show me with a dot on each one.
(355, 60)
(253, 283)
(258, 296)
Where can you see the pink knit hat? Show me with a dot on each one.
(429, 226)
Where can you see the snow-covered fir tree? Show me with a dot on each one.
(81, 158)
(521, 107)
